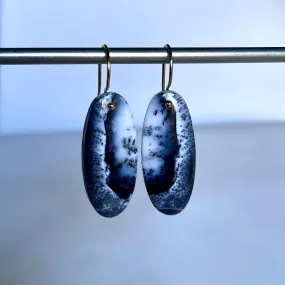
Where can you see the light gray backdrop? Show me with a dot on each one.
(53, 98)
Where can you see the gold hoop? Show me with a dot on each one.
(169, 50)
(107, 53)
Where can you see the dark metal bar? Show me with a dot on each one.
(13, 56)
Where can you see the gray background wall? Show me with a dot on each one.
(233, 229)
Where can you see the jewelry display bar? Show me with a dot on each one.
(146, 55)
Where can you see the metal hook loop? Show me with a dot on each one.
(169, 50)
(106, 50)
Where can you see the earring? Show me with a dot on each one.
(109, 151)
(168, 149)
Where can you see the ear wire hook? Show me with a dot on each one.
(107, 53)
(169, 50)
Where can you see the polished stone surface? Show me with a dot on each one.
(168, 152)
(231, 232)
(109, 154)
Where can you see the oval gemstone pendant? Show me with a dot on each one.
(168, 152)
(109, 154)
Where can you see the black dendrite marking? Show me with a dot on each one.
(183, 116)
(178, 99)
(129, 145)
(157, 128)
(155, 154)
(155, 112)
(107, 168)
(148, 172)
(165, 119)
(100, 132)
(148, 130)
(131, 162)
(187, 126)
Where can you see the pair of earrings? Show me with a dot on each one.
(109, 151)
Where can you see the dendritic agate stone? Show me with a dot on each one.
(109, 154)
(168, 152)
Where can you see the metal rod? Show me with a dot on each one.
(13, 56)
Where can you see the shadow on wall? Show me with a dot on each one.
(233, 227)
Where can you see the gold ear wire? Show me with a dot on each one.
(107, 53)
(169, 50)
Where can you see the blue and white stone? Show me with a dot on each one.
(109, 154)
(168, 152)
